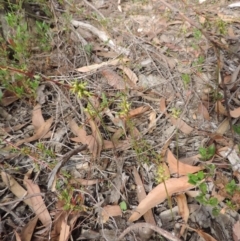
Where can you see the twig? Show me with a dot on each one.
(161, 231)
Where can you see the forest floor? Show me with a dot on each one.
(119, 120)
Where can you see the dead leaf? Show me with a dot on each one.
(181, 125)
(41, 132)
(162, 105)
(113, 79)
(114, 62)
(15, 128)
(159, 194)
(8, 98)
(204, 235)
(28, 229)
(138, 111)
(223, 127)
(219, 108)
(96, 135)
(65, 231)
(235, 113)
(175, 166)
(148, 216)
(83, 137)
(15, 187)
(37, 202)
(17, 236)
(183, 210)
(203, 111)
(152, 121)
(236, 231)
(37, 118)
(130, 74)
(110, 211)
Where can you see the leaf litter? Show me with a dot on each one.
(152, 116)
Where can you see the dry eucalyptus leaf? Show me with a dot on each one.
(110, 211)
(28, 229)
(175, 166)
(41, 132)
(159, 194)
(37, 202)
(15, 187)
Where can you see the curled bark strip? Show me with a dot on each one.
(161, 231)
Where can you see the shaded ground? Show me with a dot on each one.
(129, 97)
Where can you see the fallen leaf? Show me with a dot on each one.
(17, 236)
(152, 121)
(96, 135)
(159, 194)
(219, 108)
(236, 231)
(37, 202)
(203, 111)
(181, 125)
(175, 166)
(113, 79)
(41, 132)
(223, 127)
(8, 98)
(14, 128)
(83, 137)
(141, 194)
(110, 211)
(138, 111)
(204, 235)
(37, 118)
(114, 62)
(65, 231)
(183, 210)
(28, 229)
(130, 74)
(235, 113)
(162, 105)
(15, 187)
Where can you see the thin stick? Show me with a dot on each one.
(161, 231)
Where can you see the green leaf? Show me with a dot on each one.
(123, 205)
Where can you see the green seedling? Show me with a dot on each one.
(80, 88)
(175, 112)
(207, 152)
(198, 63)
(197, 34)
(186, 80)
(198, 180)
(236, 129)
(232, 187)
(123, 205)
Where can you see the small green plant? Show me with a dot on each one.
(198, 63)
(80, 88)
(236, 129)
(207, 152)
(222, 26)
(88, 49)
(175, 112)
(186, 80)
(123, 205)
(198, 180)
(197, 34)
(232, 187)
(124, 106)
(45, 152)
(161, 175)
